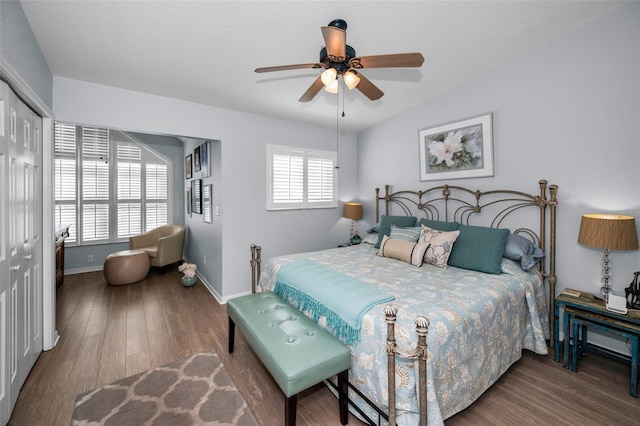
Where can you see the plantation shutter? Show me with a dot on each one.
(108, 186)
(95, 184)
(129, 199)
(300, 178)
(320, 184)
(65, 177)
(288, 178)
(156, 188)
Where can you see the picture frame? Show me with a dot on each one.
(188, 201)
(188, 167)
(205, 164)
(196, 196)
(457, 150)
(207, 196)
(196, 159)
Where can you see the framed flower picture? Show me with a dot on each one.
(463, 149)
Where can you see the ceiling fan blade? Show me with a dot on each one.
(335, 40)
(312, 91)
(369, 89)
(398, 60)
(289, 67)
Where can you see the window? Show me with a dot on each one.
(107, 186)
(300, 178)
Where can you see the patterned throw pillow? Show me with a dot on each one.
(441, 243)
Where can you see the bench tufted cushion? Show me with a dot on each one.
(295, 350)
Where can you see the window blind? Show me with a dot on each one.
(104, 200)
(300, 179)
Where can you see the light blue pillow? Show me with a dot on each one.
(410, 234)
(524, 250)
(387, 221)
(479, 248)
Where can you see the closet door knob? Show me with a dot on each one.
(15, 268)
(28, 257)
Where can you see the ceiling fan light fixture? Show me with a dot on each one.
(333, 87)
(351, 79)
(328, 76)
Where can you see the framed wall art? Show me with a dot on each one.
(207, 195)
(196, 159)
(205, 163)
(188, 202)
(463, 149)
(188, 167)
(196, 196)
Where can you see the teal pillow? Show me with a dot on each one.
(387, 221)
(479, 248)
(440, 225)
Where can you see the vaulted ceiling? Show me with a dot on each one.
(206, 51)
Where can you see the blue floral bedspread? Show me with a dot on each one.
(479, 324)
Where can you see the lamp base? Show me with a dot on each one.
(356, 239)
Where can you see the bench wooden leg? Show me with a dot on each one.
(343, 396)
(232, 333)
(290, 405)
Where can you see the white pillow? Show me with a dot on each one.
(440, 245)
(406, 251)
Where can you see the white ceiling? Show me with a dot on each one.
(206, 51)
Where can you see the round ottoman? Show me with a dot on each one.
(126, 267)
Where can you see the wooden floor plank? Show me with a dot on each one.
(110, 332)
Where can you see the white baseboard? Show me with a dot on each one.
(83, 270)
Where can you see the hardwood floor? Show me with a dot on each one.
(111, 332)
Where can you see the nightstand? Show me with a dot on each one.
(586, 311)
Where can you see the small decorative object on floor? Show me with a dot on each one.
(189, 273)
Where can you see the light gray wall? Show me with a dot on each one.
(20, 51)
(204, 246)
(566, 111)
(242, 192)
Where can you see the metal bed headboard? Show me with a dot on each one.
(463, 205)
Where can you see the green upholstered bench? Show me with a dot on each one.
(295, 350)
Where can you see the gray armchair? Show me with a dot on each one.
(163, 245)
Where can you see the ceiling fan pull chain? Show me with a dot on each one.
(343, 97)
(337, 128)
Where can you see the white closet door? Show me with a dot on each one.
(31, 137)
(17, 275)
(21, 251)
(5, 330)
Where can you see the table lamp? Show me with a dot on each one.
(353, 211)
(608, 232)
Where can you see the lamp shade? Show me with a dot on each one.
(608, 232)
(351, 79)
(352, 211)
(328, 76)
(333, 87)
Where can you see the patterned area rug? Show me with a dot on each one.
(192, 391)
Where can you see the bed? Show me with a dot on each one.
(474, 323)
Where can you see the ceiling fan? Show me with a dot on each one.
(338, 58)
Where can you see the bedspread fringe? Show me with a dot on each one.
(338, 326)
